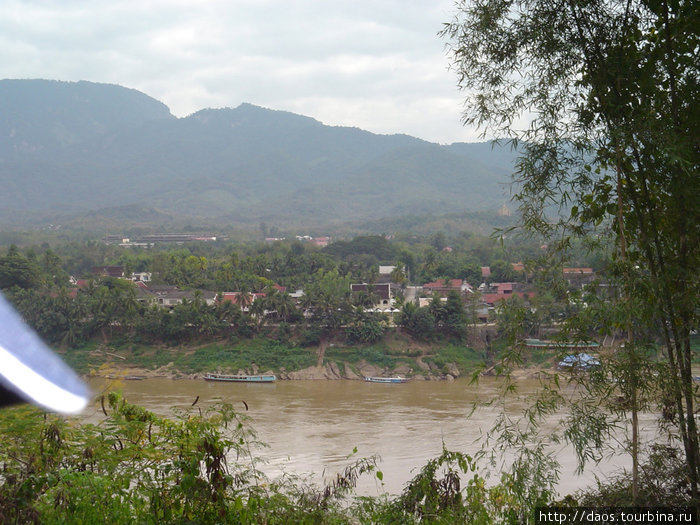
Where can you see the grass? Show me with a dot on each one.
(464, 357)
(354, 354)
(267, 354)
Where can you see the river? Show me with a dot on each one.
(312, 427)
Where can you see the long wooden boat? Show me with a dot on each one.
(579, 345)
(240, 378)
(387, 379)
(125, 378)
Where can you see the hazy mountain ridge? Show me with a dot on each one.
(79, 147)
(39, 115)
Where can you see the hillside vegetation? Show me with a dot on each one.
(83, 148)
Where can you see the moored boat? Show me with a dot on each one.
(578, 362)
(241, 378)
(577, 345)
(387, 379)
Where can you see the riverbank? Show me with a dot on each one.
(398, 356)
(287, 361)
(331, 372)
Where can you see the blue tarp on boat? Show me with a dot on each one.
(582, 361)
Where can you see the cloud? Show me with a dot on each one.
(375, 65)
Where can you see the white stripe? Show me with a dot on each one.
(37, 387)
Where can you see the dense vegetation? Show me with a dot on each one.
(609, 159)
(609, 154)
(55, 466)
(36, 279)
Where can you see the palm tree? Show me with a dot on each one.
(245, 299)
(285, 306)
(366, 298)
(257, 310)
(398, 276)
(270, 300)
(329, 295)
(228, 314)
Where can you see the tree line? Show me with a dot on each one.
(36, 280)
(610, 155)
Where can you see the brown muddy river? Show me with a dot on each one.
(312, 427)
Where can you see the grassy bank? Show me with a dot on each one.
(391, 354)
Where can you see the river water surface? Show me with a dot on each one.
(312, 427)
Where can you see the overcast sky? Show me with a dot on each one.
(374, 64)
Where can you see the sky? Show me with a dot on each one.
(378, 65)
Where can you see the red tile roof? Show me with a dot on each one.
(382, 290)
(445, 283)
(235, 297)
(582, 271)
(503, 287)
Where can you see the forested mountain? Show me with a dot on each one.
(70, 149)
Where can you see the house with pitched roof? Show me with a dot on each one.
(169, 296)
(443, 287)
(244, 300)
(500, 291)
(382, 292)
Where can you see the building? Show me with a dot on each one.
(244, 300)
(443, 287)
(578, 277)
(495, 292)
(382, 292)
(385, 273)
(169, 296)
(108, 271)
(321, 242)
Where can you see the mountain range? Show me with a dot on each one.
(82, 149)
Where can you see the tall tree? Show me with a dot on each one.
(18, 270)
(329, 297)
(610, 89)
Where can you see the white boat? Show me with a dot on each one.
(240, 378)
(387, 379)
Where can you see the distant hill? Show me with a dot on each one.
(39, 115)
(73, 149)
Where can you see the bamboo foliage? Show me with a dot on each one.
(600, 99)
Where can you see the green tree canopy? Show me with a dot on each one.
(328, 294)
(18, 270)
(600, 97)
